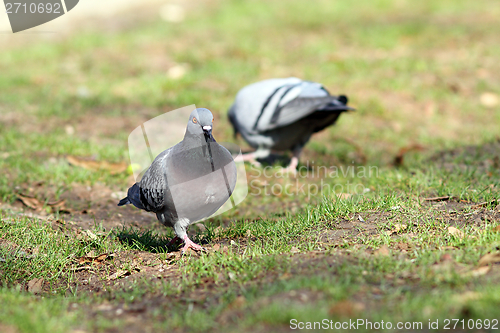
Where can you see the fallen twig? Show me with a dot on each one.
(485, 203)
(438, 198)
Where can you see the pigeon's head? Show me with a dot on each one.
(201, 122)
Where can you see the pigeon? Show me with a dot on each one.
(187, 182)
(282, 114)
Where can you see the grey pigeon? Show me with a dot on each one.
(282, 114)
(187, 182)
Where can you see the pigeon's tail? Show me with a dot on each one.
(338, 104)
(124, 201)
(133, 197)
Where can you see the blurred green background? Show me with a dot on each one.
(422, 75)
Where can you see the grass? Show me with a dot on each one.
(368, 245)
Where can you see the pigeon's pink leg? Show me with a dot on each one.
(294, 162)
(190, 244)
(252, 158)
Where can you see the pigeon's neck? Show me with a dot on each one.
(192, 141)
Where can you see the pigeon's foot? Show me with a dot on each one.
(251, 158)
(292, 167)
(189, 244)
(289, 170)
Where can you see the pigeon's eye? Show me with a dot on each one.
(212, 119)
(195, 121)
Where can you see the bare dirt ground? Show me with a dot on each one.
(80, 207)
(77, 217)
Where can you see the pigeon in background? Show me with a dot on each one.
(282, 114)
(187, 182)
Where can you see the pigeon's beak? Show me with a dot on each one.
(207, 131)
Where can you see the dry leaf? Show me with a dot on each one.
(91, 234)
(216, 247)
(397, 228)
(84, 259)
(497, 228)
(30, 202)
(402, 246)
(35, 285)
(383, 251)
(82, 268)
(398, 160)
(285, 276)
(120, 273)
(484, 204)
(57, 204)
(237, 303)
(480, 271)
(489, 258)
(4, 328)
(467, 296)
(438, 198)
(98, 260)
(480, 205)
(70, 130)
(346, 308)
(446, 257)
(456, 232)
(101, 257)
(489, 99)
(36, 204)
(113, 168)
(177, 71)
(294, 250)
(104, 307)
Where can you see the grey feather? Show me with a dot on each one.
(189, 181)
(282, 114)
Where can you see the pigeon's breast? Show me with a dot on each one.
(197, 189)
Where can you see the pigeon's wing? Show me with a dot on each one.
(300, 108)
(275, 103)
(151, 191)
(254, 100)
(298, 101)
